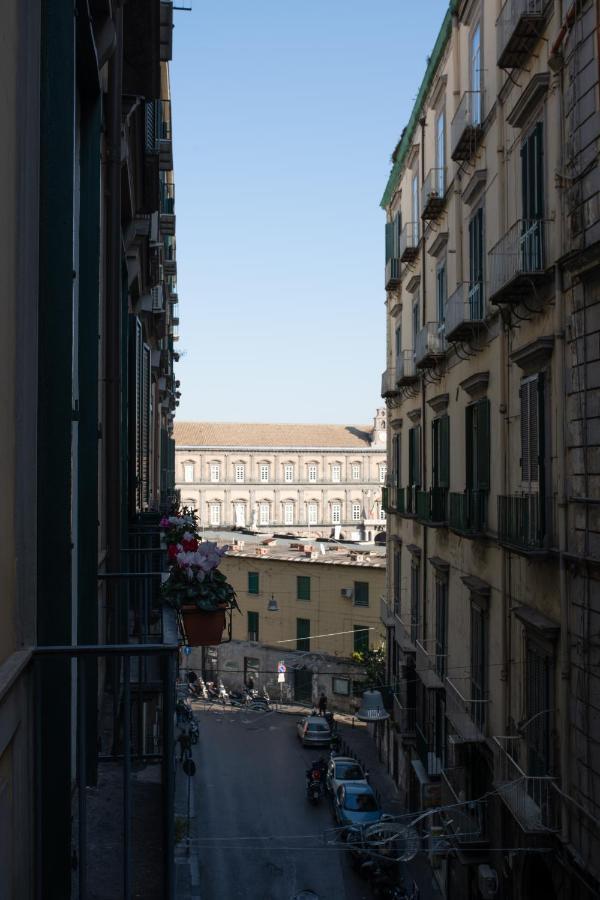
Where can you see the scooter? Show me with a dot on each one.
(315, 781)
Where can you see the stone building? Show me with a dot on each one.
(295, 478)
(492, 389)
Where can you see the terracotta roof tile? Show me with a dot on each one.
(247, 434)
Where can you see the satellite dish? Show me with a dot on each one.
(399, 842)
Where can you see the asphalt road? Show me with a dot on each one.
(257, 836)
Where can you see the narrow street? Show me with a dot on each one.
(256, 835)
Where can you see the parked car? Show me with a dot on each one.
(356, 804)
(342, 769)
(314, 731)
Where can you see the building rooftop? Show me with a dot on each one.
(259, 546)
(249, 434)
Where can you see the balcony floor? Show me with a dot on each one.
(520, 45)
(519, 287)
(467, 143)
(466, 330)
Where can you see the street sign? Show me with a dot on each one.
(281, 667)
(281, 678)
(187, 650)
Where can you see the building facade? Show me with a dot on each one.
(491, 385)
(295, 478)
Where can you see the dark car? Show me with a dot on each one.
(355, 803)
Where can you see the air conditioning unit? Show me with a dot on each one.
(347, 592)
(487, 880)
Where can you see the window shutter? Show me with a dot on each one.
(418, 455)
(531, 394)
(483, 444)
(389, 240)
(443, 474)
(146, 437)
(538, 163)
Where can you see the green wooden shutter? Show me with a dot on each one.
(532, 408)
(444, 452)
(253, 583)
(303, 587)
(418, 455)
(469, 444)
(361, 593)
(302, 634)
(252, 626)
(482, 415)
(389, 240)
(361, 639)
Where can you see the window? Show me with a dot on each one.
(441, 293)
(478, 445)
(415, 207)
(356, 512)
(532, 191)
(336, 513)
(252, 626)
(253, 582)
(312, 472)
(382, 473)
(302, 634)
(397, 573)
(478, 664)
(393, 230)
(414, 466)
(355, 472)
(263, 470)
(361, 639)
(440, 452)
(303, 587)
(539, 703)
(263, 514)
(341, 686)
(239, 512)
(440, 152)
(475, 65)
(361, 593)
(188, 472)
(215, 472)
(288, 472)
(532, 409)
(476, 253)
(441, 627)
(416, 322)
(396, 460)
(288, 513)
(214, 513)
(251, 668)
(415, 600)
(336, 472)
(313, 513)
(240, 471)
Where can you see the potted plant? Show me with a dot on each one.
(195, 587)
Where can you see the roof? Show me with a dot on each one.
(248, 434)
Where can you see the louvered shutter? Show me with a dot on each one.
(443, 474)
(389, 240)
(531, 410)
(482, 436)
(469, 444)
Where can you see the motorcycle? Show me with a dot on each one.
(315, 781)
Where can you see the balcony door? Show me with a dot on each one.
(476, 75)
(476, 266)
(532, 201)
(440, 153)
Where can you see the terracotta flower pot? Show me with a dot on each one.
(203, 629)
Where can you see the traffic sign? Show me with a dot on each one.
(281, 667)
(281, 678)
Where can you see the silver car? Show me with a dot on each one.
(341, 769)
(314, 731)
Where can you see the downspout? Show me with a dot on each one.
(422, 122)
(113, 336)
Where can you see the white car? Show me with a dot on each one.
(342, 769)
(314, 731)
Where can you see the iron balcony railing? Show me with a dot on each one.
(405, 718)
(167, 198)
(393, 273)
(519, 260)
(466, 127)
(427, 748)
(164, 120)
(465, 821)
(433, 193)
(431, 655)
(432, 506)
(388, 383)
(466, 707)
(171, 282)
(406, 370)
(521, 522)
(533, 800)
(467, 512)
(518, 28)
(465, 311)
(430, 345)
(409, 241)
(385, 499)
(400, 500)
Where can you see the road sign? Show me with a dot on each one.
(281, 678)
(187, 650)
(281, 667)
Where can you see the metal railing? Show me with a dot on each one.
(388, 383)
(405, 717)
(467, 713)
(430, 343)
(410, 499)
(464, 309)
(519, 258)
(518, 28)
(432, 506)
(521, 521)
(533, 800)
(466, 125)
(465, 821)
(467, 512)
(164, 120)
(400, 501)
(428, 752)
(409, 241)
(393, 273)
(433, 193)
(167, 198)
(405, 367)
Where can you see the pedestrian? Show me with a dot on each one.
(322, 704)
(250, 683)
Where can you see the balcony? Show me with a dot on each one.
(520, 261)
(171, 284)
(388, 383)
(169, 255)
(406, 371)
(465, 822)
(521, 525)
(165, 135)
(468, 513)
(533, 800)
(405, 719)
(433, 194)
(409, 242)
(166, 30)
(393, 273)
(467, 713)
(386, 611)
(466, 130)
(385, 495)
(400, 504)
(427, 750)
(430, 345)
(465, 311)
(518, 28)
(432, 506)
(167, 208)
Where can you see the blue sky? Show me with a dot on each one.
(285, 116)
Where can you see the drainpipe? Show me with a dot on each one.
(422, 123)
(112, 326)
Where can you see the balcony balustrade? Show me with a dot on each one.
(427, 749)
(466, 129)
(520, 260)
(433, 193)
(466, 712)
(385, 499)
(400, 501)
(406, 371)
(409, 242)
(465, 311)
(171, 283)
(521, 523)
(165, 137)
(410, 500)
(533, 800)
(388, 383)
(430, 345)
(467, 513)
(432, 506)
(518, 28)
(167, 207)
(393, 273)
(466, 823)
(405, 719)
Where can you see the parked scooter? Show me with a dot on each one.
(315, 781)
